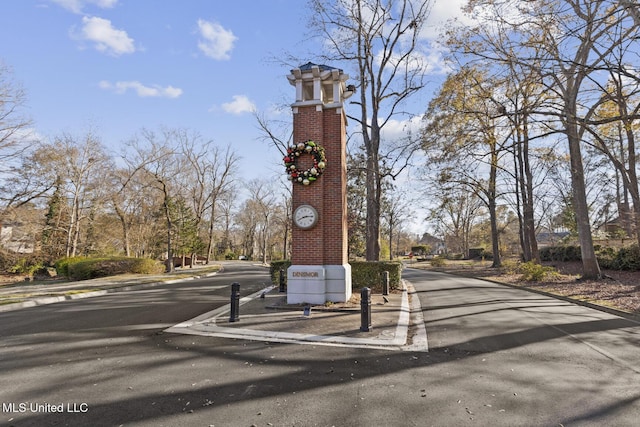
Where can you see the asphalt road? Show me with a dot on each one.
(498, 356)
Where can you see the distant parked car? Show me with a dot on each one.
(243, 258)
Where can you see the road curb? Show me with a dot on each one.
(616, 312)
(621, 313)
(36, 302)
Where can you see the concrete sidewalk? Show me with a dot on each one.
(396, 324)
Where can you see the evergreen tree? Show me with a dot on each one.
(53, 239)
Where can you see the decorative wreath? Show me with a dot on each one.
(305, 177)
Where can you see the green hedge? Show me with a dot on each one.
(62, 265)
(80, 268)
(561, 253)
(363, 273)
(627, 258)
(369, 274)
(275, 268)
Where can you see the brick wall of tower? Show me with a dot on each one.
(335, 186)
(307, 245)
(326, 243)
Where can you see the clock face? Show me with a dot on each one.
(305, 216)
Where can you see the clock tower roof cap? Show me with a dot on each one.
(309, 65)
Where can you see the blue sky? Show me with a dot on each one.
(116, 66)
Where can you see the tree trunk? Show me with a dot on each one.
(170, 265)
(493, 217)
(633, 178)
(264, 242)
(590, 267)
(70, 251)
(527, 198)
(373, 208)
(520, 199)
(391, 237)
(210, 243)
(167, 213)
(125, 229)
(285, 242)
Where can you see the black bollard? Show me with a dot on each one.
(385, 283)
(234, 316)
(365, 310)
(281, 280)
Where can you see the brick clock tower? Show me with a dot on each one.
(317, 167)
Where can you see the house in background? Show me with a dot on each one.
(437, 245)
(618, 227)
(12, 239)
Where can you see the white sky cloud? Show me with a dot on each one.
(442, 12)
(216, 42)
(141, 90)
(106, 38)
(76, 6)
(395, 129)
(240, 104)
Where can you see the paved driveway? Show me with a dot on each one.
(527, 359)
(498, 356)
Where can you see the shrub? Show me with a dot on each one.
(6, 260)
(145, 266)
(26, 266)
(62, 265)
(275, 268)
(369, 274)
(80, 268)
(438, 262)
(561, 253)
(572, 253)
(627, 258)
(510, 266)
(532, 272)
(606, 257)
(546, 253)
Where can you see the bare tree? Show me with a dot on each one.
(455, 212)
(132, 199)
(14, 126)
(17, 186)
(158, 154)
(247, 221)
(615, 127)
(565, 43)
(461, 134)
(279, 135)
(395, 211)
(77, 163)
(228, 200)
(381, 41)
(122, 203)
(209, 172)
(264, 202)
(195, 185)
(221, 177)
(632, 9)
